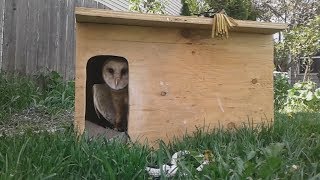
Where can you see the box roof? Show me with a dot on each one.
(91, 15)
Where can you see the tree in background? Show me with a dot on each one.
(292, 12)
(303, 40)
(148, 6)
(283, 11)
(298, 14)
(193, 7)
(238, 9)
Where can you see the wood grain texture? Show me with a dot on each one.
(21, 40)
(70, 42)
(31, 36)
(91, 15)
(9, 36)
(43, 38)
(2, 6)
(181, 80)
(39, 35)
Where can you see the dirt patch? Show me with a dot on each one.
(35, 120)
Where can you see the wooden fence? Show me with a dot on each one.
(1, 28)
(39, 34)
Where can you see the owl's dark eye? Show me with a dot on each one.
(124, 71)
(110, 70)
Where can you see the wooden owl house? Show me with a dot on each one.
(180, 78)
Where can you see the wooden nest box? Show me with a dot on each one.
(180, 78)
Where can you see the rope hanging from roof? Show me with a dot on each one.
(221, 25)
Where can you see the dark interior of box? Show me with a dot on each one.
(94, 76)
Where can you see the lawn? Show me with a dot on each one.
(40, 102)
(289, 149)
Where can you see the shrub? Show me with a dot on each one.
(303, 97)
(281, 87)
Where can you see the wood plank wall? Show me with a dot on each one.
(39, 35)
(2, 2)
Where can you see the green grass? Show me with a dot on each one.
(18, 93)
(39, 156)
(265, 152)
(290, 149)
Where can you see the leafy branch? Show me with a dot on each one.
(148, 6)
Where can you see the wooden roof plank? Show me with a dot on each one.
(92, 15)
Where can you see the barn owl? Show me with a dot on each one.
(111, 98)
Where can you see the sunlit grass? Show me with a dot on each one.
(289, 149)
(18, 93)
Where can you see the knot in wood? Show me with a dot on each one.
(163, 93)
(254, 81)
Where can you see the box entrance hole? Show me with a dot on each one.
(107, 95)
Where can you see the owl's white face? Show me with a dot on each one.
(115, 73)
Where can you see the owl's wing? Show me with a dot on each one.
(95, 109)
(102, 103)
(95, 103)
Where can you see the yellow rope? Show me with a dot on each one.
(221, 25)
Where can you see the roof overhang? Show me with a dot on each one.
(91, 15)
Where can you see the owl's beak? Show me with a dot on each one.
(117, 81)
